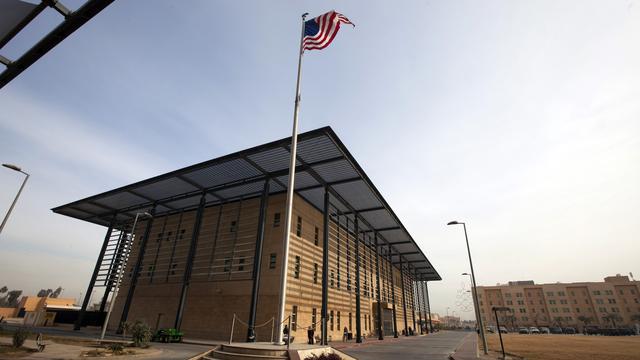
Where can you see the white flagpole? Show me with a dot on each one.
(289, 205)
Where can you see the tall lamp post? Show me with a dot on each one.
(115, 291)
(473, 294)
(475, 290)
(18, 169)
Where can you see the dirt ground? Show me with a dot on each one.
(568, 347)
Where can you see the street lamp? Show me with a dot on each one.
(477, 311)
(115, 292)
(475, 290)
(18, 169)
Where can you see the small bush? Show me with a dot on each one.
(116, 349)
(323, 356)
(19, 337)
(141, 334)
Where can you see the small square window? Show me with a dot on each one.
(272, 261)
(227, 265)
(316, 236)
(299, 227)
(276, 219)
(233, 227)
(241, 264)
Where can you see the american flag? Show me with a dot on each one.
(320, 31)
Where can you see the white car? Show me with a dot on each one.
(534, 330)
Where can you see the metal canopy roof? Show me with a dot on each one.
(322, 160)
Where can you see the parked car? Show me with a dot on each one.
(523, 330)
(534, 330)
(544, 330)
(503, 330)
(555, 330)
(569, 330)
(592, 330)
(491, 329)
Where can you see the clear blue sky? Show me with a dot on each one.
(521, 118)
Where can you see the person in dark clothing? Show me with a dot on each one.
(310, 335)
(285, 332)
(345, 334)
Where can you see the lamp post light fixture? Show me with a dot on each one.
(18, 169)
(115, 291)
(475, 290)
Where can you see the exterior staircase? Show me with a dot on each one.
(231, 352)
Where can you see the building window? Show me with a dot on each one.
(296, 273)
(173, 268)
(316, 236)
(299, 227)
(227, 264)
(276, 219)
(549, 293)
(332, 276)
(233, 227)
(331, 320)
(272, 261)
(350, 323)
(338, 320)
(241, 264)
(315, 273)
(313, 318)
(181, 234)
(294, 318)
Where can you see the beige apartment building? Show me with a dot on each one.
(562, 304)
(212, 250)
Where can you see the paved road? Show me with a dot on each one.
(437, 346)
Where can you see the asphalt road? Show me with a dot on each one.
(437, 346)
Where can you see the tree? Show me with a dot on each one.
(12, 298)
(558, 320)
(57, 292)
(3, 290)
(586, 320)
(613, 317)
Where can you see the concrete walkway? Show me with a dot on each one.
(436, 346)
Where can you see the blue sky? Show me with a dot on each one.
(521, 118)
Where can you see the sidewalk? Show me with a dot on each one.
(468, 349)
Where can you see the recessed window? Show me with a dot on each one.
(299, 227)
(233, 227)
(331, 320)
(315, 273)
(227, 265)
(276, 219)
(296, 273)
(173, 268)
(314, 316)
(241, 264)
(294, 318)
(316, 236)
(272, 261)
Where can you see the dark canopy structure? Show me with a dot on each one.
(323, 162)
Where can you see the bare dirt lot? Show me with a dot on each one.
(568, 347)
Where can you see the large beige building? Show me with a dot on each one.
(213, 248)
(563, 304)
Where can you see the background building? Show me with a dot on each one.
(564, 304)
(213, 248)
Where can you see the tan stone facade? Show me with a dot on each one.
(563, 304)
(221, 279)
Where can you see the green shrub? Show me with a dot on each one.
(19, 337)
(323, 356)
(116, 349)
(141, 334)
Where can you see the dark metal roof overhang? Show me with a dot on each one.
(322, 161)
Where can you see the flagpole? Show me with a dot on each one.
(289, 205)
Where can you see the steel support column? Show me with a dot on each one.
(116, 261)
(325, 266)
(426, 297)
(413, 305)
(186, 280)
(92, 282)
(393, 294)
(358, 314)
(380, 334)
(404, 298)
(257, 262)
(416, 287)
(136, 267)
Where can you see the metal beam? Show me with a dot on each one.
(393, 294)
(257, 262)
(379, 325)
(325, 267)
(358, 314)
(72, 22)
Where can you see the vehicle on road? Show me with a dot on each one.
(569, 330)
(491, 329)
(544, 330)
(555, 330)
(503, 330)
(534, 330)
(523, 330)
